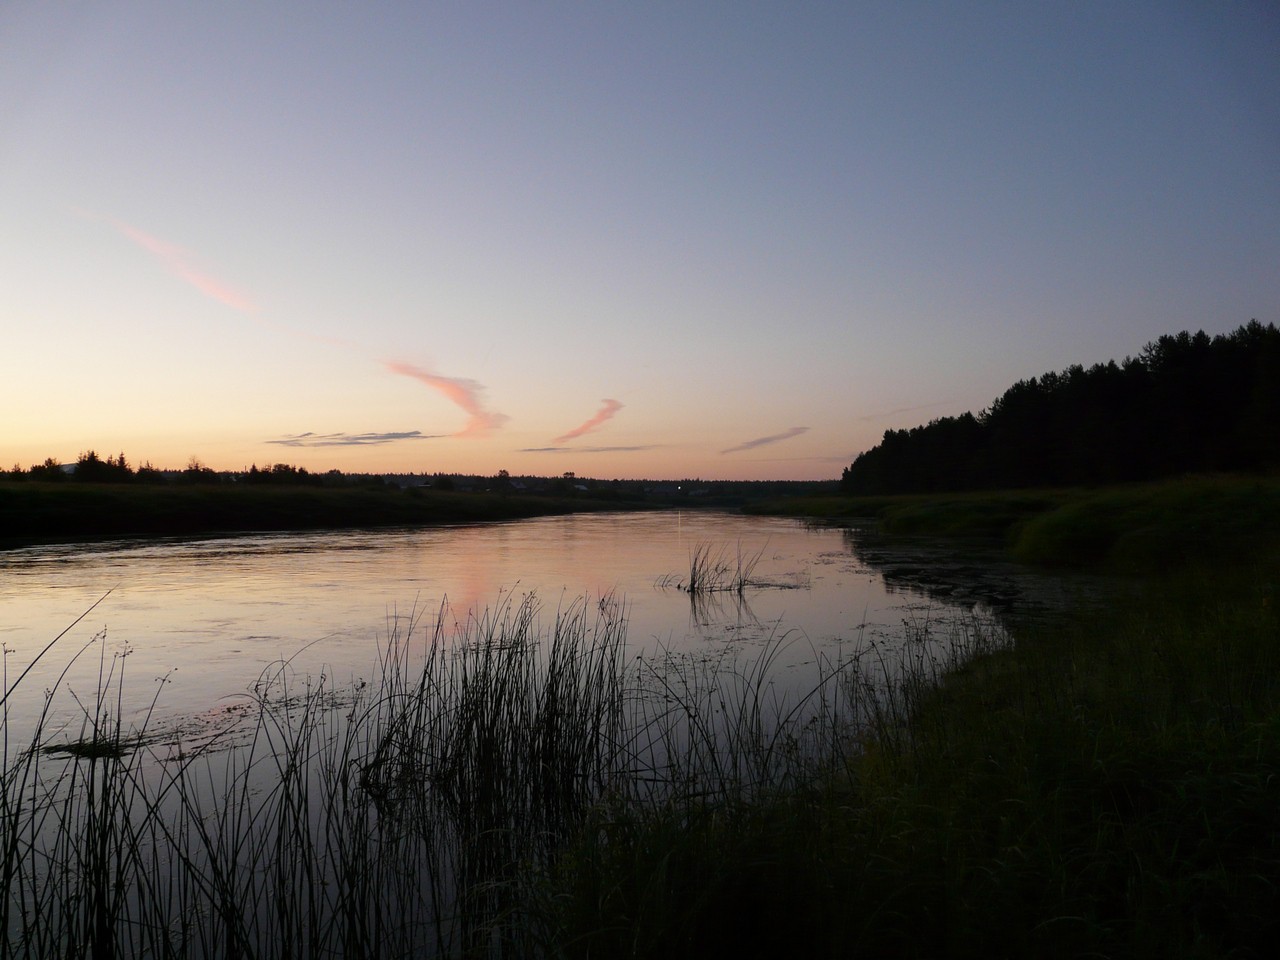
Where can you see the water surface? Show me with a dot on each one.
(211, 615)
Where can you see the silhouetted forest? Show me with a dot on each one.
(90, 469)
(1187, 403)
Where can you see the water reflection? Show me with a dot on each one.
(974, 574)
(211, 615)
(334, 810)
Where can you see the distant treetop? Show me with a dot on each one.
(1187, 403)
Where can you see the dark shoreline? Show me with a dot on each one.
(1147, 527)
(32, 514)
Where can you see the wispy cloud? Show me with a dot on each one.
(634, 449)
(894, 413)
(762, 441)
(465, 393)
(349, 439)
(180, 262)
(607, 410)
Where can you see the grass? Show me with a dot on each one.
(1105, 787)
(383, 821)
(960, 514)
(1108, 785)
(1199, 520)
(415, 815)
(713, 570)
(1132, 527)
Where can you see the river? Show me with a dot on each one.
(210, 615)
(418, 810)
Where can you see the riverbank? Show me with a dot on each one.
(1104, 784)
(1141, 528)
(1107, 784)
(47, 513)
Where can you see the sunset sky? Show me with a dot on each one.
(691, 239)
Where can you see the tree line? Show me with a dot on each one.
(1188, 403)
(91, 468)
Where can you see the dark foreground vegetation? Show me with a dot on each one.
(1107, 785)
(1125, 528)
(1106, 788)
(1186, 404)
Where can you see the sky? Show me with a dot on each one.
(726, 240)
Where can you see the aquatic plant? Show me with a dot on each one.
(503, 787)
(713, 570)
(415, 814)
(1103, 786)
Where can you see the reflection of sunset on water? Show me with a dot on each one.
(211, 615)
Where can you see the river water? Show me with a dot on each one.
(209, 616)
(405, 816)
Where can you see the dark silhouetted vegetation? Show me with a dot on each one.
(38, 512)
(1125, 527)
(49, 472)
(1186, 404)
(1108, 785)
(95, 498)
(282, 474)
(90, 468)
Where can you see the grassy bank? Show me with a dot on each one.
(34, 513)
(1133, 527)
(1108, 785)
(1103, 787)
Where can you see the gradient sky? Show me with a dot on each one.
(721, 240)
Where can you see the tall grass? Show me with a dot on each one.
(419, 814)
(381, 821)
(714, 570)
(756, 856)
(1105, 786)
(505, 786)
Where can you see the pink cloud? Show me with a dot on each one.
(464, 393)
(606, 412)
(179, 262)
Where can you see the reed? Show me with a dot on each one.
(518, 783)
(747, 846)
(418, 814)
(1101, 786)
(713, 570)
